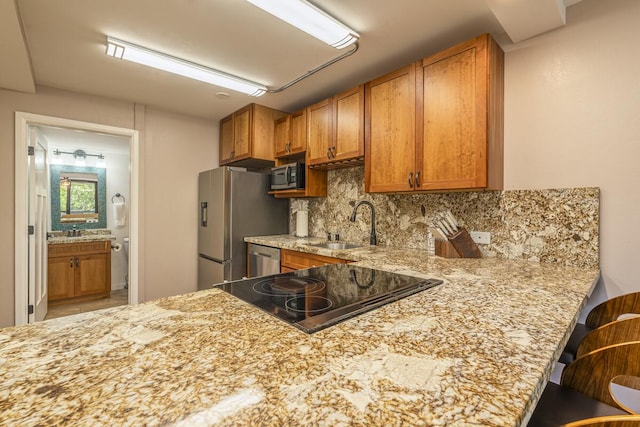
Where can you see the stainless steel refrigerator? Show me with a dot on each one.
(233, 204)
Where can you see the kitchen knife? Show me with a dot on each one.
(437, 232)
(445, 223)
(450, 220)
(439, 227)
(453, 219)
(444, 226)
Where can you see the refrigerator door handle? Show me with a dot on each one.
(203, 214)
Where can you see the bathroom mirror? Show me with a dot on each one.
(78, 197)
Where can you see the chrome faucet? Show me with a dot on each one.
(373, 239)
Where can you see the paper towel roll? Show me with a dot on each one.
(116, 247)
(302, 223)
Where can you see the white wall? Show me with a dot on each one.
(572, 119)
(178, 149)
(118, 171)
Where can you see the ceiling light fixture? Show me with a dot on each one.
(308, 18)
(124, 50)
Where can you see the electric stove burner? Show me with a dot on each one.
(313, 304)
(274, 285)
(316, 298)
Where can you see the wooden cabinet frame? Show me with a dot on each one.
(247, 136)
(453, 119)
(290, 134)
(79, 271)
(294, 260)
(336, 130)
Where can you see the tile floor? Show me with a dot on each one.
(118, 297)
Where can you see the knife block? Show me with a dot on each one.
(458, 245)
(445, 249)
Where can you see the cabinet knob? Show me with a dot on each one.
(410, 179)
(417, 179)
(70, 262)
(77, 262)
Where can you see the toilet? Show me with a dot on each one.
(126, 255)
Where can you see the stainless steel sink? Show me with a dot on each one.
(336, 245)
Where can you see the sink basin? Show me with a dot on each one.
(336, 245)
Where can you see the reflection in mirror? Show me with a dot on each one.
(78, 197)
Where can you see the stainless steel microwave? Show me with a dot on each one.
(288, 177)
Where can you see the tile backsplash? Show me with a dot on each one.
(557, 225)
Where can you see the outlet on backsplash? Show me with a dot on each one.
(481, 237)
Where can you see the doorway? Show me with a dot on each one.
(29, 268)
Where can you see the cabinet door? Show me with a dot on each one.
(60, 272)
(92, 274)
(348, 124)
(390, 131)
(242, 133)
(300, 260)
(226, 140)
(298, 132)
(281, 136)
(319, 132)
(452, 148)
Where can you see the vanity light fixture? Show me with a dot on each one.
(57, 158)
(80, 156)
(131, 52)
(313, 21)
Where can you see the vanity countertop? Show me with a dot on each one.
(58, 237)
(474, 351)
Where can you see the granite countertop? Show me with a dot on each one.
(58, 237)
(476, 350)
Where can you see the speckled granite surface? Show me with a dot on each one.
(474, 351)
(560, 225)
(58, 237)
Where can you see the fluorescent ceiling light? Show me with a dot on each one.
(308, 18)
(141, 55)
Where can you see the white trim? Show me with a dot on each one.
(21, 255)
(22, 123)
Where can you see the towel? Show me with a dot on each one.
(119, 214)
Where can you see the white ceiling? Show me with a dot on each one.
(61, 43)
(91, 142)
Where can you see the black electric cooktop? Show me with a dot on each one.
(317, 298)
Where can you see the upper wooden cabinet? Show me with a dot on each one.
(390, 134)
(336, 130)
(290, 134)
(438, 124)
(246, 136)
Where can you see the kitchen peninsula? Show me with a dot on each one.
(476, 350)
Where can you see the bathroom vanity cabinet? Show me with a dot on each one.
(79, 271)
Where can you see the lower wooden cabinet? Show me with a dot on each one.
(79, 271)
(294, 260)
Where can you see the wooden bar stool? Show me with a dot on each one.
(605, 312)
(612, 421)
(584, 389)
